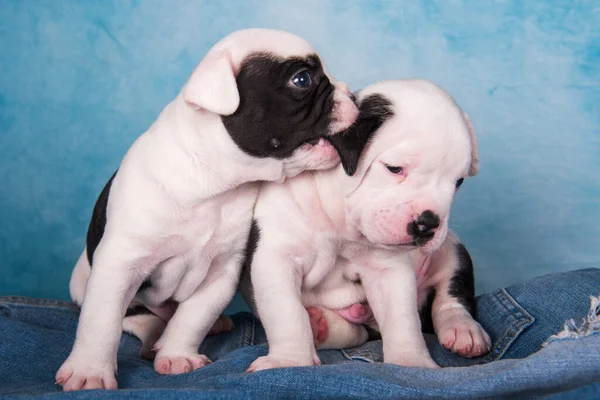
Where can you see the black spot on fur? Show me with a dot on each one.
(274, 116)
(98, 221)
(145, 285)
(425, 313)
(462, 284)
(137, 310)
(253, 240)
(374, 110)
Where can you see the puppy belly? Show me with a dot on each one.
(335, 298)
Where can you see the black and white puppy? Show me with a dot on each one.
(331, 239)
(171, 225)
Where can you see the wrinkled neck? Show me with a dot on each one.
(192, 153)
(330, 186)
(208, 141)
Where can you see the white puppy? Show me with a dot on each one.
(331, 240)
(170, 227)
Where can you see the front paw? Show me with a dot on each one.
(464, 336)
(79, 372)
(174, 364)
(270, 362)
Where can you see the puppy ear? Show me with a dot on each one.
(374, 110)
(351, 143)
(474, 154)
(212, 85)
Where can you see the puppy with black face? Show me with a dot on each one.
(168, 231)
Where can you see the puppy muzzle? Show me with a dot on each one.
(423, 228)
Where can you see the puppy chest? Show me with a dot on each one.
(221, 224)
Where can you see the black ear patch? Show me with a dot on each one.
(98, 222)
(374, 110)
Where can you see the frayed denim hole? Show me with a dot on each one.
(590, 325)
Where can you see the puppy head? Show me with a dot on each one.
(274, 96)
(411, 166)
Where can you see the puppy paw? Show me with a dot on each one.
(270, 362)
(463, 335)
(413, 359)
(179, 364)
(79, 373)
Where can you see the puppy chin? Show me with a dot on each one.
(318, 156)
(344, 114)
(383, 235)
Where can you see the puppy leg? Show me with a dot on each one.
(147, 327)
(453, 305)
(177, 349)
(391, 289)
(331, 331)
(277, 297)
(111, 286)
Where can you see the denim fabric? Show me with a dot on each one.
(37, 336)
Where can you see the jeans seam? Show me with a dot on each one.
(363, 355)
(22, 300)
(368, 357)
(248, 338)
(522, 320)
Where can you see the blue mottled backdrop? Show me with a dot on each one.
(80, 80)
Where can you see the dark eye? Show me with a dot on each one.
(302, 79)
(459, 182)
(393, 169)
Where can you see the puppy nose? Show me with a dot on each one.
(423, 226)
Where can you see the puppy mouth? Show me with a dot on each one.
(407, 244)
(320, 141)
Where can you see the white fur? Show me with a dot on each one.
(179, 211)
(322, 230)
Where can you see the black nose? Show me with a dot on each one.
(422, 228)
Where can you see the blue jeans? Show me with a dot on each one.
(37, 335)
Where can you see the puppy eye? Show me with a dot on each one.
(459, 182)
(393, 169)
(302, 79)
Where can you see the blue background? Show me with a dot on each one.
(80, 80)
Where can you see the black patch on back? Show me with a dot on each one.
(462, 284)
(98, 222)
(374, 110)
(137, 310)
(275, 117)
